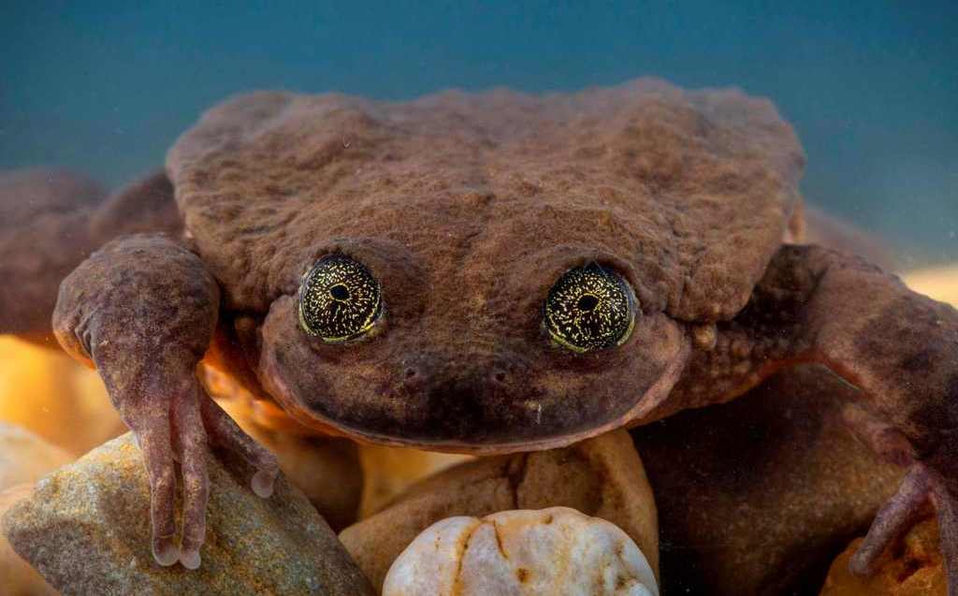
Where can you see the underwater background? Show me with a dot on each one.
(872, 87)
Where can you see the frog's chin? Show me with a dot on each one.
(644, 407)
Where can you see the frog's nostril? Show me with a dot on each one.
(506, 370)
(413, 377)
(498, 376)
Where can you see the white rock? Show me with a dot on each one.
(522, 553)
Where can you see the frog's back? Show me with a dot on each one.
(692, 189)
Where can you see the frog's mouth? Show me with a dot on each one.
(469, 405)
(478, 434)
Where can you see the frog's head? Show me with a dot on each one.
(470, 323)
(489, 273)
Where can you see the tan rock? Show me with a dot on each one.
(86, 529)
(25, 457)
(389, 471)
(522, 553)
(602, 477)
(759, 495)
(913, 569)
(17, 578)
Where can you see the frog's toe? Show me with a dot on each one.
(262, 483)
(190, 559)
(945, 498)
(892, 520)
(921, 486)
(190, 445)
(152, 432)
(224, 432)
(165, 551)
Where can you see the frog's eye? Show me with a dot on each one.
(339, 299)
(590, 308)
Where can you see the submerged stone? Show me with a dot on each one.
(86, 529)
(601, 477)
(17, 578)
(522, 553)
(25, 457)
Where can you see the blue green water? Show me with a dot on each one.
(872, 87)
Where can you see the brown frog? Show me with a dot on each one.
(493, 273)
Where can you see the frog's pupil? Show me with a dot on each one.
(339, 292)
(587, 302)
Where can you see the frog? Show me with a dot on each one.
(489, 273)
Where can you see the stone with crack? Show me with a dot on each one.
(522, 553)
(601, 477)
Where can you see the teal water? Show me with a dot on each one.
(105, 87)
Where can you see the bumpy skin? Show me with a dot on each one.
(467, 209)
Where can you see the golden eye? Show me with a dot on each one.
(590, 308)
(339, 299)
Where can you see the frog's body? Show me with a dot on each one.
(467, 209)
(460, 213)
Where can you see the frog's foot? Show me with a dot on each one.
(143, 310)
(900, 349)
(177, 429)
(921, 486)
(219, 430)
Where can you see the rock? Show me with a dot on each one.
(551, 551)
(389, 471)
(913, 569)
(602, 477)
(25, 457)
(18, 578)
(86, 529)
(758, 496)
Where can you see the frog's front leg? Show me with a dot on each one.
(900, 349)
(143, 310)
